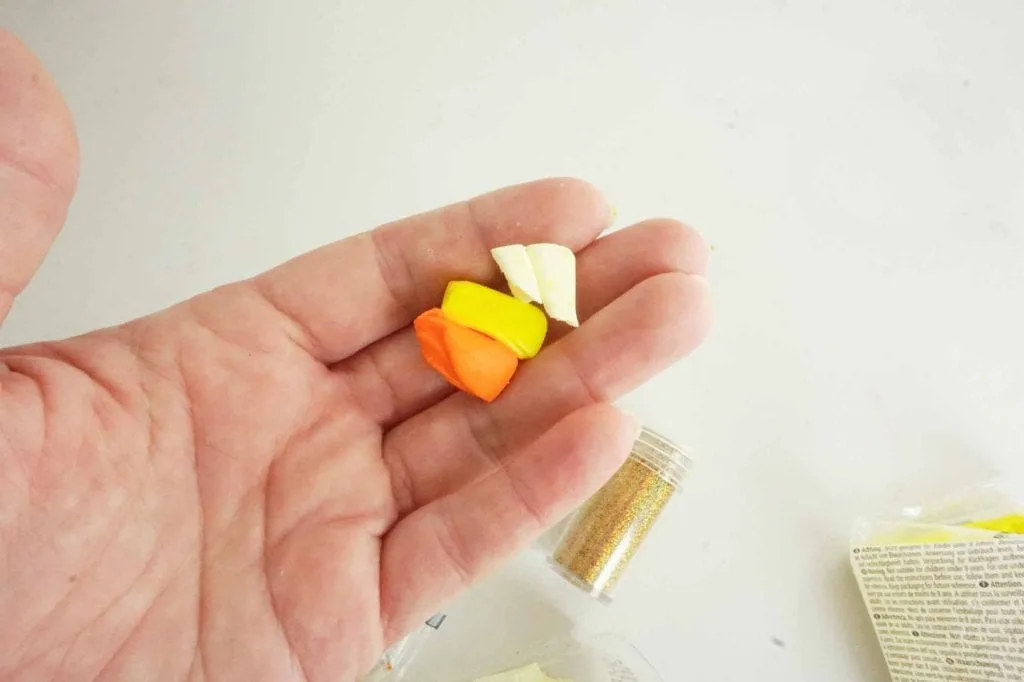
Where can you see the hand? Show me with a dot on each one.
(266, 482)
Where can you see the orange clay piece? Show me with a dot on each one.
(470, 361)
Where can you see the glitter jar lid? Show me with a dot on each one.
(662, 456)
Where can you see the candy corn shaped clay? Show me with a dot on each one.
(478, 335)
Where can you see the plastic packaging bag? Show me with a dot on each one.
(598, 658)
(944, 586)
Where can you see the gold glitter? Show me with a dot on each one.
(611, 526)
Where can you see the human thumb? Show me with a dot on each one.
(38, 166)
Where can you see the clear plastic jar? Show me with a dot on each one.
(395, 662)
(609, 528)
(602, 658)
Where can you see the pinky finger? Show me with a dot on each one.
(440, 549)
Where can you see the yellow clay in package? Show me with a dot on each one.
(1011, 523)
(944, 587)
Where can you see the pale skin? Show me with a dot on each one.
(266, 482)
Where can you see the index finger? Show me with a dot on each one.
(344, 296)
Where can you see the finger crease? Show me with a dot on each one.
(271, 596)
(398, 280)
(391, 401)
(488, 447)
(301, 334)
(121, 396)
(517, 491)
(479, 228)
(202, 596)
(401, 482)
(36, 172)
(452, 543)
(589, 391)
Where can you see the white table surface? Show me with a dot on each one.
(858, 167)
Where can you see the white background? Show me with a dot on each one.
(858, 167)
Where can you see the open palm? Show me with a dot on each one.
(266, 482)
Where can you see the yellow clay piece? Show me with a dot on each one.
(923, 535)
(1014, 523)
(517, 324)
(528, 673)
(972, 531)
